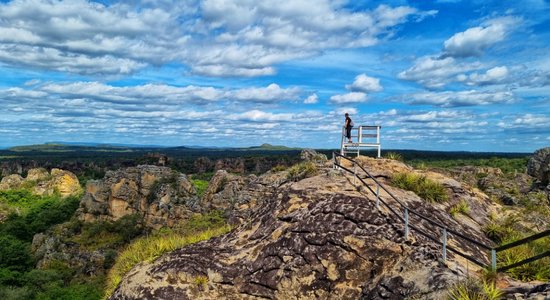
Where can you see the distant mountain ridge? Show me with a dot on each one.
(82, 146)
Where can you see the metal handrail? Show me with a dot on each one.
(407, 210)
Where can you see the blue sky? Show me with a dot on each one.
(436, 75)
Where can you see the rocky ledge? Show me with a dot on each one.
(319, 238)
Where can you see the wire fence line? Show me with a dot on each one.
(405, 212)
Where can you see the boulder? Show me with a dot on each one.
(37, 174)
(58, 181)
(11, 182)
(539, 166)
(312, 155)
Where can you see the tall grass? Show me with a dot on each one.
(425, 188)
(537, 270)
(471, 289)
(147, 249)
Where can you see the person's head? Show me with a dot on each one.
(346, 114)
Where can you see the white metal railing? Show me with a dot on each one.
(363, 136)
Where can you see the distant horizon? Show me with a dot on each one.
(442, 75)
(138, 146)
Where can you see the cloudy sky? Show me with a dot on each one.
(436, 75)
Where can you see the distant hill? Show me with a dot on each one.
(51, 147)
(95, 147)
(271, 147)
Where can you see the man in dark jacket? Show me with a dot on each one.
(348, 125)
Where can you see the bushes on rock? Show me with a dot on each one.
(425, 188)
(462, 207)
(394, 156)
(302, 170)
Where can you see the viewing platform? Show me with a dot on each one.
(362, 137)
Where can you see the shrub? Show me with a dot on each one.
(462, 207)
(147, 249)
(471, 289)
(425, 188)
(14, 254)
(393, 156)
(302, 170)
(107, 234)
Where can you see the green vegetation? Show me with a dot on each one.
(279, 168)
(393, 156)
(106, 234)
(462, 207)
(31, 214)
(147, 249)
(507, 230)
(200, 185)
(506, 164)
(302, 170)
(425, 188)
(472, 289)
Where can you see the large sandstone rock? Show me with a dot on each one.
(43, 183)
(37, 174)
(163, 197)
(64, 182)
(539, 165)
(11, 182)
(319, 238)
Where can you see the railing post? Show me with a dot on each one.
(360, 135)
(493, 260)
(406, 215)
(354, 173)
(444, 238)
(377, 196)
(378, 139)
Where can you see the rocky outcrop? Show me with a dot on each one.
(10, 182)
(319, 238)
(312, 155)
(163, 197)
(43, 183)
(48, 247)
(539, 166)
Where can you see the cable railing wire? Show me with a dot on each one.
(493, 250)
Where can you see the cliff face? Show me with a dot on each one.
(318, 238)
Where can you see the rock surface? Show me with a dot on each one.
(161, 196)
(319, 238)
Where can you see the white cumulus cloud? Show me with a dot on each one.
(311, 99)
(474, 41)
(353, 97)
(365, 84)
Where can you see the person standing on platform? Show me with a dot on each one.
(348, 125)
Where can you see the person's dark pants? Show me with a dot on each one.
(348, 132)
